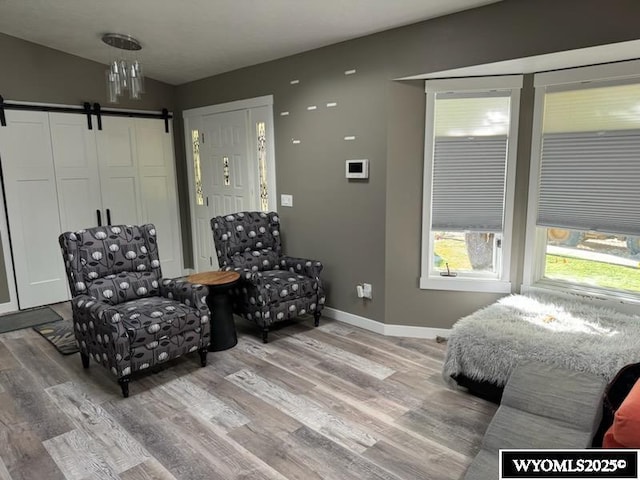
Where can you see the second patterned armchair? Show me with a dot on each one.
(273, 287)
(125, 315)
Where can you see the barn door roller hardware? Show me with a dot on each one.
(85, 109)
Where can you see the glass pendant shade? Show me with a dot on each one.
(122, 74)
(112, 86)
(134, 83)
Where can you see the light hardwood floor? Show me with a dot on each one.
(333, 402)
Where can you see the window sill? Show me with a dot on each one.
(461, 284)
(622, 302)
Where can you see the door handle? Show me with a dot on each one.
(99, 215)
(108, 217)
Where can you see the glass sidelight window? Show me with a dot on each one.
(262, 165)
(195, 142)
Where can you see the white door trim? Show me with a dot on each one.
(248, 103)
(12, 304)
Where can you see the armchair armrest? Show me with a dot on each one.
(191, 294)
(106, 320)
(302, 266)
(246, 274)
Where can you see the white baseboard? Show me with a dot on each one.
(383, 328)
(355, 320)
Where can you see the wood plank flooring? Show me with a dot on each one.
(333, 402)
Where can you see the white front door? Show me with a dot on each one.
(226, 168)
(226, 145)
(231, 166)
(32, 206)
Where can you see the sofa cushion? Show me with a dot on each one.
(547, 390)
(626, 422)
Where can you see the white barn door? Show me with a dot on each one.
(156, 167)
(60, 176)
(32, 205)
(76, 170)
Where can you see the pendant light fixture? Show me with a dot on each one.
(124, 74)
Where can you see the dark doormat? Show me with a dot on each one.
(27, 318)
(60, 335)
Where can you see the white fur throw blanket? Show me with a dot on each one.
(488, 344)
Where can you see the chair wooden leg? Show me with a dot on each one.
(203, 356)
(316, 318)
(265, 334)
(124, 385)
(85, 359)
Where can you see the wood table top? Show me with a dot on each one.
(214, 278)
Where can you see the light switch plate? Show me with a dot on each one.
(286, 200)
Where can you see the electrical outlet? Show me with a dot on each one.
(286, 200)
(367, 290)
(360, 291)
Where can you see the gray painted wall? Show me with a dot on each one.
(334, 220)
(371, 231)
(33, 73)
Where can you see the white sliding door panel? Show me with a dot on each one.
(156, 166)
(76, 167)
(119, 171)
(122, 199)
(32, 206)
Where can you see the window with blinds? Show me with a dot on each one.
(590, 159)
(583, 232)
(467, 189)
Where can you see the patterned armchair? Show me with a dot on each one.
(272, 287)
(125, 315)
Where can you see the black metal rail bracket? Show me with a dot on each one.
(85, 109)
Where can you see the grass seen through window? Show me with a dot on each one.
(588, 272)
(618, 269)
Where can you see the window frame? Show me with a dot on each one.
(430, 279)
(533, 279)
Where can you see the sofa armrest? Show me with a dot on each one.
(191, 294)
(302, 266)
(568, 396)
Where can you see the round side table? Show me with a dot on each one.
(223, 328)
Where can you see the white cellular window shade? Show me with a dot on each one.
(469, 161)
(468, 184)
(590, 160)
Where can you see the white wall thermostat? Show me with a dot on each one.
(357, 168)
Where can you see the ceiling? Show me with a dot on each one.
(192, 39)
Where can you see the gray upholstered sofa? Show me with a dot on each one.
(543, 406)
